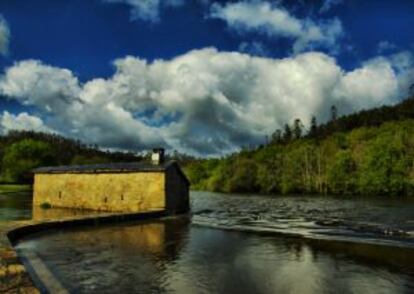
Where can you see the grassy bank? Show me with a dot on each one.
(7, 188)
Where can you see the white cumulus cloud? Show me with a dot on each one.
(277, 22)
(204, 101)
(4, 36)
(47, 87)
(22, 121)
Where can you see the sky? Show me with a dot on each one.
(202, 77)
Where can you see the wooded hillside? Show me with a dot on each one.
(370, 152)
(21, 151)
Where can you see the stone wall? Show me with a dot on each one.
(177, 192)
(124, 192)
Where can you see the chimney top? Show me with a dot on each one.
(157, 156)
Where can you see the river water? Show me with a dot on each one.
(15, 206)
(242, 244)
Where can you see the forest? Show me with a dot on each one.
(366, 153)
(21, 151)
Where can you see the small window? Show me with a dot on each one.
(105, 199)
(122, 197)
(60, 194)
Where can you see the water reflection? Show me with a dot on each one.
(40, 214)
(174, 257)
(15, 206)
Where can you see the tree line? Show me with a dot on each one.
(370, 152)
(22, 151)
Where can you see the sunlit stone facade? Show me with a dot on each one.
(122, 187)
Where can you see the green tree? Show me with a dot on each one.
(297, 128)
(82, 159)
(196, 172)
(21, 157)
(287, 133)
(341, 175)
(243, 176)
(384, 167)
(277, 137)
(269, 163)
(313, 131)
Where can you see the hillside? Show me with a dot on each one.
(370, 152)
(21, 151)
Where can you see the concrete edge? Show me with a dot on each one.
(43, 279)
(15, 234)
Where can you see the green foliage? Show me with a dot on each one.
(82, 159)
(21, 151)
(385, 166)
(14, 188)
(241, 176)
(341, 174)
(367, 160)
(21, 157)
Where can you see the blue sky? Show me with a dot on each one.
(203, 77)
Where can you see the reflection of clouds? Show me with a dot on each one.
(215, 261)
(358, 281)
(166, 257)
(300, 274)
(282, 268)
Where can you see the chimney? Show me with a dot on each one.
(157, 156)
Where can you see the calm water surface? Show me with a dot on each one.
(264, 245)
(15, 206)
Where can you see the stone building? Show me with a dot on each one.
(117, 187)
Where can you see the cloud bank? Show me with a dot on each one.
(22, 121)
(4, 36)
(276, 22)
(204, 102)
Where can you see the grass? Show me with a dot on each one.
(5, 188)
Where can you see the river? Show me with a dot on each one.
(242, 244)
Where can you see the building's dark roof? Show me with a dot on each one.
(106, 167)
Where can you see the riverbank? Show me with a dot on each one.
(10, 188)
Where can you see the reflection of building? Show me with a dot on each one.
(163, 238)
(124, 187)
